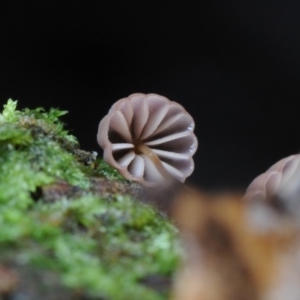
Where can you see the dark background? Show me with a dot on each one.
(234, 65)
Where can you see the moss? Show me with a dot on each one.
(105, 170)
(101, 245)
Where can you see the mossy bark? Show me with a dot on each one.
(71, 227)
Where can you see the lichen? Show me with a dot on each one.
(101, 245)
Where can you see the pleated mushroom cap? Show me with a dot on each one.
(148, 138)
(275, 180)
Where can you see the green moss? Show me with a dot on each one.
(108, 172)
(101, 246)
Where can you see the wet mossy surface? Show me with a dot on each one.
(70, 226)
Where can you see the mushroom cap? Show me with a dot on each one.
(276, 180)
(148, 138)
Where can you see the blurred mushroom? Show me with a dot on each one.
(279, 185)
(149, 139)
(235, 249)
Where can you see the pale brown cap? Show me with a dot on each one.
(148, 138)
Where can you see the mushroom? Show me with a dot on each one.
(148, 139)
(280, 181)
